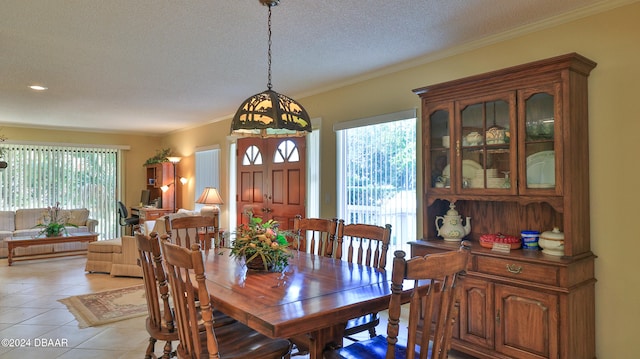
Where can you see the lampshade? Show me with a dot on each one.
(210, 195)
(174, 160)
(211, 199)
(165, 188)
(270, 114)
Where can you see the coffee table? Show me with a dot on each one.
(32, 241)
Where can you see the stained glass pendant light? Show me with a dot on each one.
(270, 114)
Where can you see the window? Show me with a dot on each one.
(286, 152)
(38, 176)
(252, 156)
(377, 174)
(207, 171)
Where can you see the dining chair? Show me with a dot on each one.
(436, 303)
(316, 234)
(366, 244)
(160, 323)
(126, 221)
(185, 268)
(188, 230)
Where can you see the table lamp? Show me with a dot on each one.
(210, 197)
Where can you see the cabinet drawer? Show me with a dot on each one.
(518, 270)
(151, 215)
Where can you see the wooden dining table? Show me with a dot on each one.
(312, 298)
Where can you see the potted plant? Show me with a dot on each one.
(159, 157)
(261, 244)
(54, 222)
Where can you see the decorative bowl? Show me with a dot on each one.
(474, 138)
(540, 130)
(552, 242)
(487, 240)
(495, 136)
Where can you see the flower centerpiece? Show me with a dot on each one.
(262, 245)
(54, 222)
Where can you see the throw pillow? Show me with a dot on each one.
(78, 217)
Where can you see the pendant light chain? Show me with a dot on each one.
(270, 114)
(269, 52)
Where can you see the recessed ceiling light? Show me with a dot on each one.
(38, 88)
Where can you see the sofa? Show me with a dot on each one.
(117, 257)
(24, 223)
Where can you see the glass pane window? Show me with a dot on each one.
(207, 172)
(486, 145)
(39, 176)
(252, 156)
(539, 141)
(377, 177)
(287, 152)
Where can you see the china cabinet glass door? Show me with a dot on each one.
(540, 125)
(440, 142)
(485, 152)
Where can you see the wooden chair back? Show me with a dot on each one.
(366, 244)
(189, 230)
(200, 336)
(442, 272)
(316, 235)
(181, 263)
(160, 323)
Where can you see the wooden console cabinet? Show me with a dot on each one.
(510, 149)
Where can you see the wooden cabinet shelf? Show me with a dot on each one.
(158, 175)
(510, 149)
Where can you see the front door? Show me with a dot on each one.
(271, 178)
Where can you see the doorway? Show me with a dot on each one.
(271, 179)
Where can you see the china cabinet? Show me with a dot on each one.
(510, 149)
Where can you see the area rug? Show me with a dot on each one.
(107, 307)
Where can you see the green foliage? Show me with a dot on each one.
(264, 240)
(160, 156)
(54, 222)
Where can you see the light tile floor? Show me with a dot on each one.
(29, 310)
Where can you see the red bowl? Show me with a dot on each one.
(487, 240)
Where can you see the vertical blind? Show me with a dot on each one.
(207, 172)
(377, 173)
(39, 176)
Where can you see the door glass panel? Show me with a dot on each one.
(539, 141)
(286, 152)
(252, 156)
(440, 152)
(485, 145)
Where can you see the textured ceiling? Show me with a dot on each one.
(154, 66)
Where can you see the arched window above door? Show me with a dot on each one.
(252, 156)
(287, 152)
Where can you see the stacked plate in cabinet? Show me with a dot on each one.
(493, 181)
(541, 170)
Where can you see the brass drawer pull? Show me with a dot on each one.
(512, 268)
